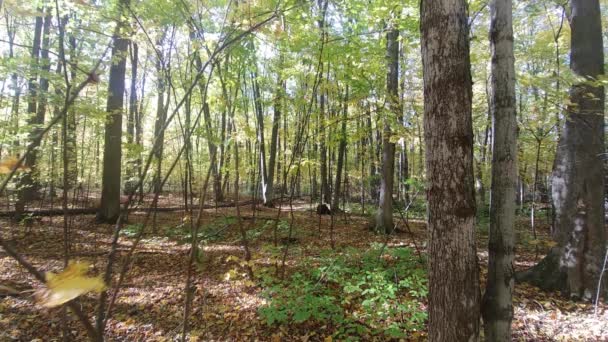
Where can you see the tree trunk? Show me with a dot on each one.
(132, 174)
(498, 298)
(14, 118)
(259, 113)
(217, 185)
(28, 186)
(274, 138)
(110, 191)
(373, 183)
(454, 296)
(325, 191)
(481, 189)
(325, 194)
(70, 134)
(161, 117)
(574, 265)
(341, 155)
(384, 217)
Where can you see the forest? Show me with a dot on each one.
(303, 170)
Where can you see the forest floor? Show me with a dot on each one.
(226, 304)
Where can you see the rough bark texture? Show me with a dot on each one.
(498, 298)
(454, 297)
(574, 264)
(384, 217)
(110, 193)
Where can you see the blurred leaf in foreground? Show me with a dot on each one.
(69, 284)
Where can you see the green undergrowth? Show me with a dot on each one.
(213, 231)
(355, 294)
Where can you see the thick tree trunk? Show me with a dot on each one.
(573, 266)
(454, 296)
(384, 217)
(498, 298)
(110, 193)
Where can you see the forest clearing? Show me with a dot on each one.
(303, 170)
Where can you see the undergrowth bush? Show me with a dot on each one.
(210, 232)
(358, 293)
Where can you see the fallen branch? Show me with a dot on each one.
(93, 211)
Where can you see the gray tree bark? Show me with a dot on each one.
(497, 306)
(573, 266)
(384, 217)
(109, 209)
(454, 297)
(341, 155)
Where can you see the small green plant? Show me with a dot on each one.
(210, 232)
(358, 292)
(266, 227)
(131, 230)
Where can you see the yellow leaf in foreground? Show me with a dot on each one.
(69, 284)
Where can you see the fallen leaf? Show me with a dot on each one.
(9, 163)
(69, 284)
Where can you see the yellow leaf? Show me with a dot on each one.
(232, 258)
(9, 163)
(69, 284)
(328, 339)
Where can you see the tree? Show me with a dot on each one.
(453, 272)
(259, 114)
(497, 301)
(574, 264)
(384, 217)
(28, 183)
(323, 99)
(109, 209)
(274, 137)
(341, 154)
(161, 114)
